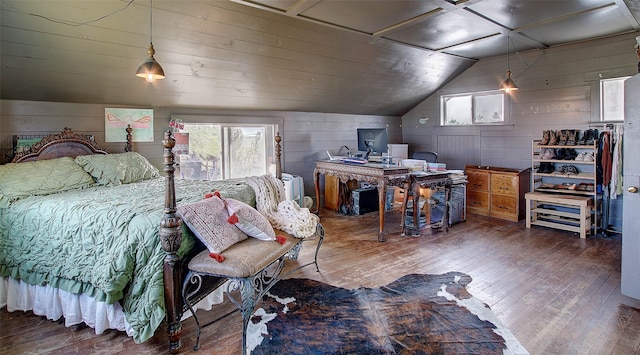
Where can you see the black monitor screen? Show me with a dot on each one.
(373, 140)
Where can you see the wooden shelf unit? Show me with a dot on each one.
(586, 175)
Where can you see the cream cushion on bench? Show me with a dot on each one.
(243, 259)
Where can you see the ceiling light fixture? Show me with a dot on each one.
(508, 84)
(150, 69)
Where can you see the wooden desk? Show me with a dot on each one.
(430, 180)
(381, 175)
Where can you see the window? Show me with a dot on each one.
(471, 109)
(227, 151)
(612, 99)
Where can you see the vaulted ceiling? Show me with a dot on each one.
(343, 56)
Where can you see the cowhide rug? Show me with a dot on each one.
(416, 314)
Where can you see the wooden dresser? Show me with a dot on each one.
(497, 192)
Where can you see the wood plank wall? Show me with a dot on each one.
(558, 89)
(305, 135)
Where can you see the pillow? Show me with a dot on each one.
(207, 219)
(137, 167)
(41, 177)
(106, 169)
(249, 220)
(116, 169)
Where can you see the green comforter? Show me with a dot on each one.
(101, 241)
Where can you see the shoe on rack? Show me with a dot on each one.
(546, 137)
(560, 153)
(553, 140)
(541, 168)
(572, 136)
(593, 138)
(589, 156)
(547, 154)
(570, 170)
(580, 156)
(562, 137)
(548, 168)
(570, 154)
(585, 137)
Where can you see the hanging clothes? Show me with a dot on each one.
(617, 161)
(606, 158)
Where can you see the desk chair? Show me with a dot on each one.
(429, 157)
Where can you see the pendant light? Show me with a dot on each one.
(150, 69)
(508, 84)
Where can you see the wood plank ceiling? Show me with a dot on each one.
(351, 56)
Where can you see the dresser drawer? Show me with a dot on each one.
(504, 184)
(478, 199)
(477, 180)
(504, 204)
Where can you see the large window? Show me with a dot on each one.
(471, 109)
(224, 151)
(612, 99)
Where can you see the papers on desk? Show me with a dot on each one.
(457, 176)
(353, 160)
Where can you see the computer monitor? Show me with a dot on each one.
(372, 140)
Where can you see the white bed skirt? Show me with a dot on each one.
(75, 308)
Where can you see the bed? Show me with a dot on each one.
(96, 253)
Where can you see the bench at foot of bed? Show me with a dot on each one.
(252, 266)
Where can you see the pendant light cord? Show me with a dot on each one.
(151, 24)
(508, 50)
(68, 23)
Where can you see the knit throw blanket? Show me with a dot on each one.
(285, 215)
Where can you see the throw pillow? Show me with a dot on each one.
(207, 219)
(249, 220)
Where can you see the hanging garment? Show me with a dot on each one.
(618, 161)
(606, 158)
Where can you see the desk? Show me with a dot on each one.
(430, 180)
(381, 175)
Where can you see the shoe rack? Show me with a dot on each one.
(558, 180)
(576, 176)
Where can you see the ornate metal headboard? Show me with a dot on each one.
(64, 144)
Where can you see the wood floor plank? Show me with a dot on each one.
(557, 293)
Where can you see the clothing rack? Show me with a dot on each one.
(616, 131)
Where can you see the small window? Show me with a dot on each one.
(473, 109)
(612, 99)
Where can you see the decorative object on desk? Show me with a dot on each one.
(416, 314)
(414, 164)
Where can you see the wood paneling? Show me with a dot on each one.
(558, 89)
(305, 135)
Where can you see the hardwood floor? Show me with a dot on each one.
(558, 294)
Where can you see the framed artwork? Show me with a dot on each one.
(117, 119)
